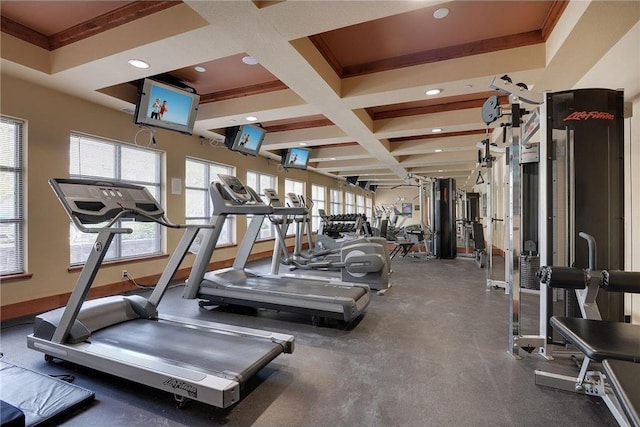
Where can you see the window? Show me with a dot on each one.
(336, 201)
(92, 157)
(368, 208)
(199, 174)
(359, 204)
(318, 196)
(296, 187)
(259, 181)
(11, 197)
(349, 203)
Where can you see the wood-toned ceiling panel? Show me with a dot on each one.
(51, 17)
(364, 47)
(224, 74)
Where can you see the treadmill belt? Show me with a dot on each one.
(295, 286)
(200, 349)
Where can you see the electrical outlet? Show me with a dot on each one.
(125, 274)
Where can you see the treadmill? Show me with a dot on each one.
(238, 286)
(125, 335)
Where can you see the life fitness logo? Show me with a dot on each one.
(578, 116)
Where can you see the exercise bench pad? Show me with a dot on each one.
(39, 397)
(624, 378)
(599, 339)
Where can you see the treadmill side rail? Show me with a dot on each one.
(211, 389)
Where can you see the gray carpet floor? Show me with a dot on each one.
(431, 352)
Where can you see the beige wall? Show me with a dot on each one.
(397, 196)
(50, 117)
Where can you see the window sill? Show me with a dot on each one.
(15, 277)
(265, 239)
(121, 261)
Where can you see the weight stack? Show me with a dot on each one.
(529, 266)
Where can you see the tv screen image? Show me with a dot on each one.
(167, 107)
(247, 139)
(297, 158)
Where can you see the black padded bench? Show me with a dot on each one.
(600, 339)
(617, 346)
(624, 378)
(614, 344)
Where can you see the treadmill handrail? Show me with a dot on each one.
(162, 220)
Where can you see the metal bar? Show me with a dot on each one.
(172, 266)
(249, 239)
(83, 284)
(199, 268)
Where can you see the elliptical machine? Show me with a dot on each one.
(359, 261)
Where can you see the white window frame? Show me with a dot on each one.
(349, 202)
(297, 187)
(81, 243)
(210, 174)
(359, 203)
(368, 208)
(336, 202)
(255, 180)
(319, 198)
(12, 224)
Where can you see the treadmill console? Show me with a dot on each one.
(93, 202)
(235, 189)
(295, 200)
(274, 200)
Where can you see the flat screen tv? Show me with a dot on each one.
(245, 139)
(297, 158)
(164, 106)
(352, 180)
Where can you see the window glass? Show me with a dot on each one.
(296, 187)
(259, 181)
(94, 157)
(318, 196)
(12, 256)
(199, 174)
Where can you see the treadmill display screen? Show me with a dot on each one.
(235, 189)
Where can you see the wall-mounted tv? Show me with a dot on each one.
(297, 158)
(245, 139)
(165, 106)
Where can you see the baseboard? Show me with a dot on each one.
(39, 305)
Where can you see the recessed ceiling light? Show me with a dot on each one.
(332, 158)
(249, 60)
(440, 170)
(432, 92)
(138, 63)
(441, 13)
(438, 150)
(436, 130)
(467, 86)
(251, 119)
(232, 120)
(304, 144)
(200, 69)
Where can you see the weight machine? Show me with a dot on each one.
(578, 162)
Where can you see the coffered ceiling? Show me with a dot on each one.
(345, 78)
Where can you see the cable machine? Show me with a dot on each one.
(578, 162)
(520, 208)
